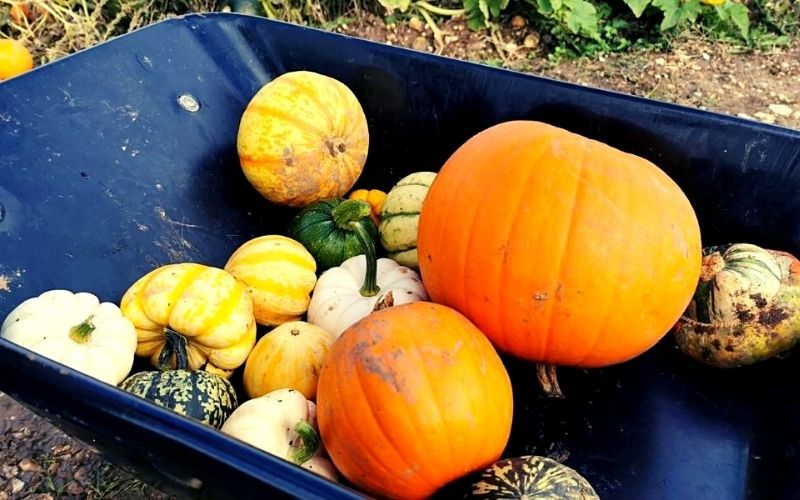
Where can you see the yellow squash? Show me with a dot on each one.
(207, 306)
(279, 274)
(302, 138)
(290, 356)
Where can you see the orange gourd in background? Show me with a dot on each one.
(566, 251)
(412, 397)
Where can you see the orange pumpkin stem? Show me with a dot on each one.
(546, 375)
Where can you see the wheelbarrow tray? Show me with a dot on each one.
(106, 173)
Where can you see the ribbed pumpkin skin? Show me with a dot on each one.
(205, 304)
(330, 245)
(568, 251)
(289, 356)
(412, 397)
(400, 217)
(280, 275)
(197, 394)
(302, 138)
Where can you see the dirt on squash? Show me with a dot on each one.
(39, 461)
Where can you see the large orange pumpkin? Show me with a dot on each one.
(303, 138)
(565, 251)
(412, 397)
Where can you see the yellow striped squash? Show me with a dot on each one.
(204, 305)
(280, 275)
(302, 138)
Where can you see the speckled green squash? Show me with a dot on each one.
(400, 217)
(746, 308)
(532, 477)
(323, 229)
(195, 393)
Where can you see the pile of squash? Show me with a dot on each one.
(368, 334)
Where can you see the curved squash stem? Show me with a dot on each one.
(546, 375)
(348, 215)
(82, 332)
(175, 345)
(437, 33)
(370, 287)
(439, 11)
(302, 452)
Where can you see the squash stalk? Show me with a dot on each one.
(546, 375)
(82, 332)
(346, 216)
(302, 452)
(175, 346)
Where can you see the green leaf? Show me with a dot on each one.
(738, 14)
(637, 6)
(670, 9)
(475, 18)
(545, 7)
(582, 18)
(391, 5)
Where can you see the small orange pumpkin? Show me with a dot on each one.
(303, 138)
(412, 397)
(574, 252)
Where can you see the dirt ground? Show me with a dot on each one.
(762, 86)
(38, 461)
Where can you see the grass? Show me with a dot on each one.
(56, 28)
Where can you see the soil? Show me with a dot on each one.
(38, 461)
(763, 86)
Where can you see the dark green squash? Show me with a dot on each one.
(532, 476)
(198, 394)
(327, 230)
(746, 308)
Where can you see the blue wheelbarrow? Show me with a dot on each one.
(141, 130)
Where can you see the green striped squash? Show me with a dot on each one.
(400, 217)
(279, 274)
(198, 394)
(734, 278)
(532, 477)
(746, 308)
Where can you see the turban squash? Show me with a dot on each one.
(571, 252)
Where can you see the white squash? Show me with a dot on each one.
(76, 330)
(339, 299)
(399, 219)
(283, 423)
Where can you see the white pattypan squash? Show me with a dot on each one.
(344, 294)
(77, 330)
(284, 423)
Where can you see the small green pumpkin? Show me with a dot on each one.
(400, 217)
(746, 308)
(198, 394)
(326, 230)
(532, 476)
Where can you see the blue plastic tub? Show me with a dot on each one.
(104, 176)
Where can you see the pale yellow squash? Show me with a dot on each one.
(279, 274)
(302, 138)
(290, 356)
(207, 306)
